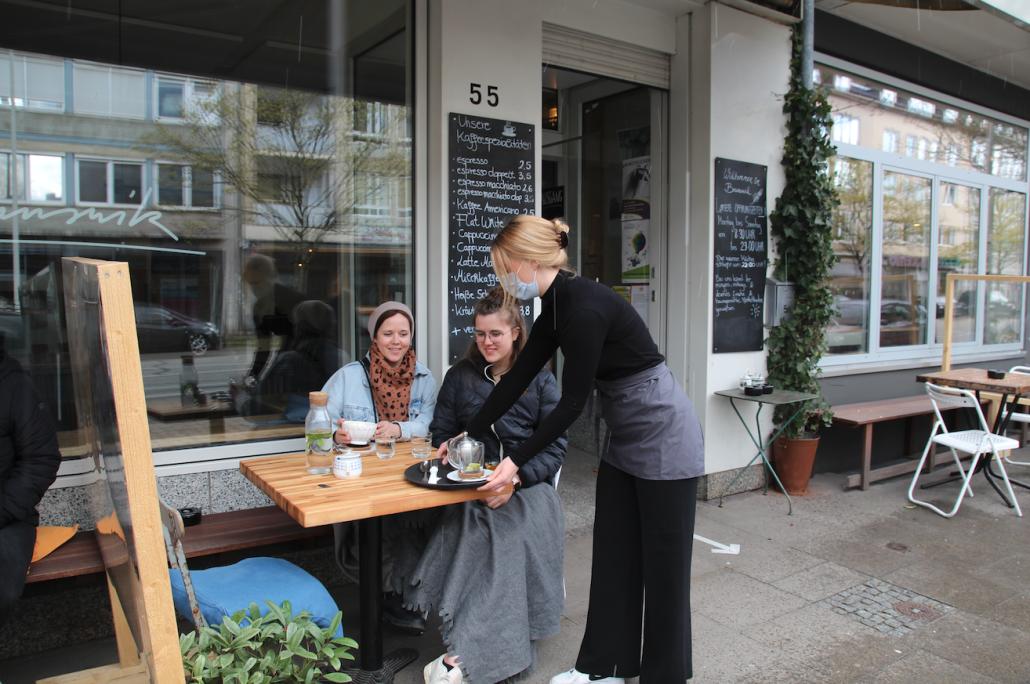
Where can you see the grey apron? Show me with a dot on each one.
(653, 432)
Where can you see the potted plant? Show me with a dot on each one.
(250, 648)
(802, 226)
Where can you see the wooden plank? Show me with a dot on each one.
(108, 674)
(77, 556)
(881, 410)
(111, 403)
(315, 500)
(237, 530)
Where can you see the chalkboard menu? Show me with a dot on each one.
(491, 179)
(741, 256)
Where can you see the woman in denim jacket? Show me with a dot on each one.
(391, 367)
(390, 388)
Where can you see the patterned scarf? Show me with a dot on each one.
(391, 386)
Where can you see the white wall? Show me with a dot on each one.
(623, 21)
(738, 70)
(473, 41)
(729, 71)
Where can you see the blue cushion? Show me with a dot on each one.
(230, 588)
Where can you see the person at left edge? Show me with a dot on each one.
(29, 459)
(392, 389)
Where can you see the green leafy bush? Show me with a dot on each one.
(802, 224)
(250, 648)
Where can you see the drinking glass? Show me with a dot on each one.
(385, 447)
(422, 447)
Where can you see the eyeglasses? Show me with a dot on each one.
(492, 334)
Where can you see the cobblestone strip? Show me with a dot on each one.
(887, 608)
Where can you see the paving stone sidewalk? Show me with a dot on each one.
(854, 587)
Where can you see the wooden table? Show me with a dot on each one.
(1016, 385)
(173, 409)
(323, 499)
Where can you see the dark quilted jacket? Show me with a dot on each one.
(29, 456)
(464, 390)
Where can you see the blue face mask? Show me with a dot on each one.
(518, 289)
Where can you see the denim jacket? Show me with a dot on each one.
(350, 398)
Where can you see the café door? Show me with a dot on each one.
(603, 171)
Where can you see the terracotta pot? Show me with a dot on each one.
(793, 460)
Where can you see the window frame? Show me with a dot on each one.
(109, 180)
(928, 352)
(25, 59)
(110, 69)
(187, 187)
(12, 175)
(189, 85)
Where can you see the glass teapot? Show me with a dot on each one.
(466, 455)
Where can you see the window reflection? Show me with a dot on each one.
(906, 259)
(262, 203)
(958, 249)
(870, 113)
(848, 331)
(1005, 236)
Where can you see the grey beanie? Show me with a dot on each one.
(381, 311)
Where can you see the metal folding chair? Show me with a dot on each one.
(975, 442)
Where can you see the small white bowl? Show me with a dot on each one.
(360, 431)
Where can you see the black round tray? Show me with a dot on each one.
(415, 476)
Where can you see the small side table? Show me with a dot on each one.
(775, 398)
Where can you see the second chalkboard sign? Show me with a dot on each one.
(491, 180)
(741, 256)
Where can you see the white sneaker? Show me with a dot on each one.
(437, 673)
(574, 676)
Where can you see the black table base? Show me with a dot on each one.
(374, 668)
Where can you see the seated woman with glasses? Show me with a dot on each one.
(493, 568)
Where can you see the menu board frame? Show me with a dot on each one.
(491, 178)
(740, 256)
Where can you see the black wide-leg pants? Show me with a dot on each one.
(640, 575)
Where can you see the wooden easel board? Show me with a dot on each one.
(112, 410)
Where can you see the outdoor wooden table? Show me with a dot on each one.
(173, 409)
(1016, 385)
(774, 398)
(324, 499)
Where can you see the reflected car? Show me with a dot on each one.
(161, 329)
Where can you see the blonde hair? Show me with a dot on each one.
(531, 238)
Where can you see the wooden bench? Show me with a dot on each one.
(216, 533)
(866, 414)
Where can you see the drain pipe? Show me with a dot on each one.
(807, 41)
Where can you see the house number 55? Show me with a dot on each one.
(476, 94)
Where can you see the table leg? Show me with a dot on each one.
(762, 448)
(370, 579)
(374, 668)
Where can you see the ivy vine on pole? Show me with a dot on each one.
(802, 226)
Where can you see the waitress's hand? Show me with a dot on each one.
(385, 428)
(441, 452)
(501, 478)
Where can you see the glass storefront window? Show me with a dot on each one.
(231, 177)
(926, 189)
(906, 259)
(850, 281)
(1006, 233)
(934, 131)
(958, 251)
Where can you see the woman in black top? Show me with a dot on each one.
(646, 485)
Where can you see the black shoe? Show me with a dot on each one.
(400, 618)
